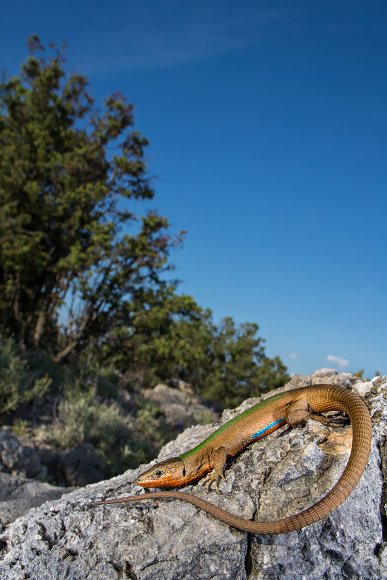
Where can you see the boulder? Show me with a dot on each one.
(171, 540)
(18, 492)
(17, 459)
(79, 466)
(18, 495)
(180, 406)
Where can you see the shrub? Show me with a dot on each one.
(19, 383)
(83, 417)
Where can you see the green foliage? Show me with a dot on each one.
(19, 426)
(121, 440)
(238, 367)
(151, 425)
(82, 269)
(19, 383)
(71, 247)
(85, 374)
(91, 411)
(171, 337)
(83, 418)
(155, 343)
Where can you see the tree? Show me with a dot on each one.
(166, 336)
(171, 337)
(238, 365)
(81, 271)
(73, 252)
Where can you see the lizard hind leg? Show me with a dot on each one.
(298, 413)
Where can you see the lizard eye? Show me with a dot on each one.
(159, 473)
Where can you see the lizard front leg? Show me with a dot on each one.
(218, 460)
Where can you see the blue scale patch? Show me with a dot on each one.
(267, 428)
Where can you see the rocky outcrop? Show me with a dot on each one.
(180, 406)
(77, 467)
(17, 459)
(18, 495)
(279, 475)
(18, 492)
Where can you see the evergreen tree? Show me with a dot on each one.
(81, 270)
(72, 249)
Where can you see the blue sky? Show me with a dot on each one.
(267, 124)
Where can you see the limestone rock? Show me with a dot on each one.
(181, 407)
(363, 387)
(17, 459)
(18, 495)
(79, 466)
(171, 540)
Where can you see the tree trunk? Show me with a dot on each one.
(39, 327)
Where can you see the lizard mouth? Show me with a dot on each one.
(167, 473)
(161, 482)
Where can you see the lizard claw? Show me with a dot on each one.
(208, 484)
(212, 479)
(203, 481)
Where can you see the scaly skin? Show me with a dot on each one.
(291, 407)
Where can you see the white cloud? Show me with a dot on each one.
(169, 33)
(293, 355)
(337, 360)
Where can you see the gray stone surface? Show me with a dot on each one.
(284, 473)
(79, 466)
(180, 406)
(18, 495)
(17, 459)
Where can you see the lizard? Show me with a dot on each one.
(208, 459)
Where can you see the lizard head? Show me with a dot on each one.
(169, 473)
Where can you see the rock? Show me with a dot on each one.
(18, 495)
(180, 406)
(79, 466)
(279, 475)
(17, 459)
(182, 386)
(326, 372)
(363, 387)
(298, 381)
(379, 380)
(75, 468)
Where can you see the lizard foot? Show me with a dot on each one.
(212, 478)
